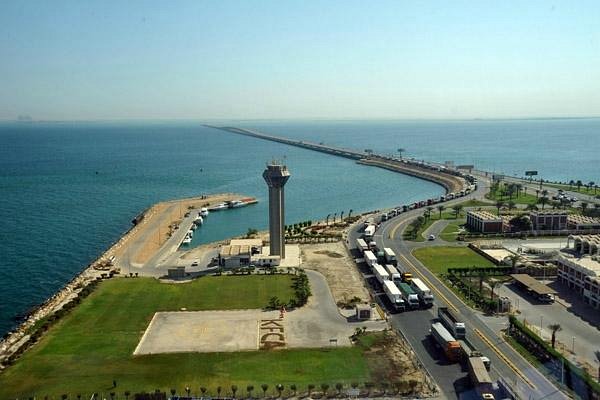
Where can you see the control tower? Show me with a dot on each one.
(276, 175)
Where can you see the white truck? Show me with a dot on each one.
(369, 232)
(422, 291)
(361, 245)
(409, 295)
(390, 256)
(370, 258)
(380, 273)
(395, 275)
(452, 323)
(393, 294)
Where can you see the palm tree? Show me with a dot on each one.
(264, 388)
(64, 396)
(511, 205)
(173, 391)
(219, 389)
(531, 207)
(499, 205)
(339, 387)
(571, 184)
(441, 208)
(481, 277)
(369, 386)
(537, 193)
(590, 185)
(327, 219)
(457, 209)
(513, 259)
(342, 216)
(519, 188)
(311, 387)
(187, 391)
(279, 388)
(203, 390)
(543, 201)
(294, 389)
(350, 213)
(400, 151)
(554, 328)
(249, 389)
(334, 216)
(234, 389)
(493, 284)
(579, 184)
(584, 206)
(127, 394)
(429, 209)
(325, 389)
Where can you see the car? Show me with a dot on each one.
(195, 264)
(431, 237)
(573, 199)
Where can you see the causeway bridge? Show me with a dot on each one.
(446, 178)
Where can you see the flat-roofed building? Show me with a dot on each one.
(245, 252)
(548, 220)
(579, 267)
(582, 222)
(485, 222)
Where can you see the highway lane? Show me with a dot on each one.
(415, 324)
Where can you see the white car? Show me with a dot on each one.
(431, 237)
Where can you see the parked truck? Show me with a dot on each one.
(370, 258)
(412, 299)
(446, 341)
(394, 296)
(480, 378)
(390, 256)
(452, 322)
(422, 291)
(361, 245)
(380, 273)
(404, 272)
(369, 232)
(468, 350)
(394, 273)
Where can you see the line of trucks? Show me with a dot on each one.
(449, 333)
(401, 289)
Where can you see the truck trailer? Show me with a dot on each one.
(409, 295)
(370, 258)
(369, 232)
(422, 291)
(446, 341)
(452, 322)
(394, 296)
(390, 256)
(361, 245)
(480, 378)
(380, 273)
(394, 273)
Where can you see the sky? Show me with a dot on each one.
(81, 60)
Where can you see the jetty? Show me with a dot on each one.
(448, 178)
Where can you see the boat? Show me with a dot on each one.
(203, 212)
(187, 240)
(199, 220)
(236, 204)
(220, 206)
(190, 233)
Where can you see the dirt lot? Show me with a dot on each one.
(332, 260)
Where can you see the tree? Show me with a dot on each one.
(279, 387)
(339, 387)
(342, 216)
(428, 211)
(368, 386)
(219, 389)
(311, 387)
(203, 390)
(499, 205)
(579, 184)
(571, 184)
(554, 328)
(441, 208)
(350, 213)
(294, 389)
(400, 151)
(325, 389)
(173, 391)
(511, 205)
(457, 209)
(249, 389)
(493, 284)
(64, 396)
(251, 233)
(543, 201)
(127, 394)
(264, 388)
(327, 219)
(584, 206)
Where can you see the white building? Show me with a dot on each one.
(581, 271)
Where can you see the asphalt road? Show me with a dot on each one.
(415, 325)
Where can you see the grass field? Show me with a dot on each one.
(522, 199)
(435, 216)
(439, 259)
(92, 345)
(450, 232)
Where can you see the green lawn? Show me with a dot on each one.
(522, 199)
(435, 216)
(450, 232)
(93, 344)
(439, 259)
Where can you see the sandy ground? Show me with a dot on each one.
(144, 240)
(332, 260)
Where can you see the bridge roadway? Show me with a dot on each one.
(506, 362)
(450, 182)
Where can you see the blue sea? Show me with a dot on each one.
(68, 190)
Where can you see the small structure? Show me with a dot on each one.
(485, 222)
(581, 222)
(176, 273)
(548, 220)
(245, 252)
(540, 290)
(364, 312)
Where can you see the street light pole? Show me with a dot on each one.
(541, 324)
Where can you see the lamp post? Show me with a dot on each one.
(541, 324)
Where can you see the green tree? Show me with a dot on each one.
(499, 205)
(279, 387)
(511, 205)
(264, 388)
(543, 201)
(249, 389)
(311, 387)
(339, 387)
(584, 206)
(219, 390)
(251, 233)
(441, 208)
(457, 209)
(324, 388)
(294, 389)
(400, 151)
(554, 328)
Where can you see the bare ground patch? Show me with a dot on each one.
(333, 261)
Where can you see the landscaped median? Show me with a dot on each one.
(90, 348)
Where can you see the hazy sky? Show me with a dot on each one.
(305, 59)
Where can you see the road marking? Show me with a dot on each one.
(428, 282)
(503, 357)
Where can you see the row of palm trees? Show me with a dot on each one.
(579, 184)
(335, 216)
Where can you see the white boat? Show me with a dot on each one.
(236, 204)
(218, 207)
(203, 212)
(190, 233)
(199, 220)
(187, 240)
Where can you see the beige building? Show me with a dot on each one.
(246, 252)
(581, 222)
(580, 268)
(548, 220)
(485, 222)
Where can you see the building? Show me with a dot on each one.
(548, 220)
(579, 267)
(246, 252)
(276, 175)
(581, 222)
(485, 222)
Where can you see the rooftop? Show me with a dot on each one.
(485, 215)
(549, 212)
(583, 220)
